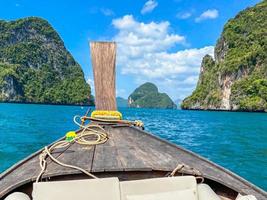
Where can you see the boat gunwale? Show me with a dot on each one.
(220, 168)
(21, 162)
(208, 161)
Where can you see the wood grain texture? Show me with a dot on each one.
(71, 156)
(103, 55)
(128, 151)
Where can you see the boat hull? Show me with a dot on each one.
(129, 154)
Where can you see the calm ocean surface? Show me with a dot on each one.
(237, 141)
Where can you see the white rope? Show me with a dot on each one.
(88, 131)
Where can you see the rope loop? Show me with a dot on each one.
(185, 169)
(91, 134)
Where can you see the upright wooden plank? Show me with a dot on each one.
(103, 55)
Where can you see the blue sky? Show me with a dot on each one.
(162, 41)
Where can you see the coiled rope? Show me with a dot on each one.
(99, 133)
(137, 123)
(84, 137)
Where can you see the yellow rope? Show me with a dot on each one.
(91, 131)
(137, 123)
(106, 114)
(88, 131)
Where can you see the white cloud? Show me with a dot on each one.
(107, 12)
(92, 84)
(208, 14)
(184, 15)
(149, 6)
(139, 38)
(144, 52)
(163, 64)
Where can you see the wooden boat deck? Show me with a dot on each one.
(127, 149)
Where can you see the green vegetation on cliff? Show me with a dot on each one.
(35, 66)
(237, 79)
(206, 92)
(148, 96)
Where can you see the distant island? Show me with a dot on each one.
(121, 102)
(148, 96)
(237, 78)
(35, 66)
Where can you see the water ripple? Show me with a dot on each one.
(237, 141)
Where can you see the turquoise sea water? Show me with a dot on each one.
(237, 141)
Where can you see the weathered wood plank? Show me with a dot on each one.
(77, 155)
(106, 157)
(103, 56)
(23, 174)
(127, 152)
(209, 169)
(145, 153)
(128, 149)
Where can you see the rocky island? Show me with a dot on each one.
(35, 66)
(148, 96)
(237, 78)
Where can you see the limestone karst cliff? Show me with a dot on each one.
(236, 79)
(35, 66)
(148, 96)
